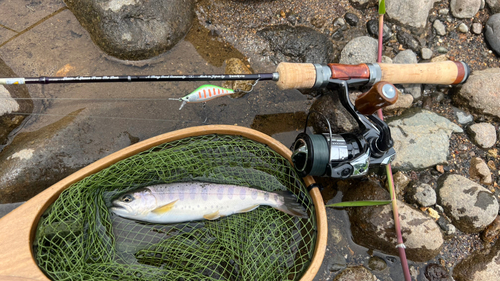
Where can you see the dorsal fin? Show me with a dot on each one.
(165, 208)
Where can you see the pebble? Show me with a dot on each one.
(377, 263)
(372, 27)
(401, 181)
(464, 9)
(444, 11)
(426, 53)
(483, 134)
(351, 19)
(408, 41)
(470, 206)
(494, 5)
(446, 226)
(479, 170)
(463, 28)
(422, 194)
(491, 233)
(436, 272)
(463, 117)
(355, 273)
(439, 27)
(477, 28)
(442, 50)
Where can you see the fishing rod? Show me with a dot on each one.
(296, 75)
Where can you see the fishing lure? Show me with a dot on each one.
(204, 93)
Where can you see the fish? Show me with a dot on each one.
(192, 201)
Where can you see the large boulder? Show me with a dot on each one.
(134, 29)
(470, 206)
(373, 227)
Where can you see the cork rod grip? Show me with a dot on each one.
(296, 75)
(445, 73)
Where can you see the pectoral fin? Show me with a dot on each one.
(251, 208)
(213, 216)
(165, 208)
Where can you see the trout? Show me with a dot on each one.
(190, 201)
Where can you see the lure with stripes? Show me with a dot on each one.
(204, 93)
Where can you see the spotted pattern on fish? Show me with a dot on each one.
(220, 193)
(230, 192)
(266, 196)
(255, 193)
(243, 193)
(192, 192)
(204, 193)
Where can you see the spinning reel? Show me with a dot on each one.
(349, 154)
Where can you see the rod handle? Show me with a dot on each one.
(380, 95)
(444, 73)
(296, 75)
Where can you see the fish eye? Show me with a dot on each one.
(127, 198)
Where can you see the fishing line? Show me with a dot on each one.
(91, 99)
(102, 117)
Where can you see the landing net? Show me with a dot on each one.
(78, 238)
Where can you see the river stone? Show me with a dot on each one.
(491, 233)
(421, 139)
(372, 27)
(483, 134)
(435, 272)
(36, 160)
(237, 66)
(479, 170)
(373, 227)
(426, 53)
(408, 41)
(298, 44)
(492, 32)
(422, 194)
(355, 273)
(464, 9)
(494, 5)
(12, 110)
(411, 13)
(361, 49)
(377, 263)
(439, 27)
(477, 28)
(463, 117)
(470, 206)
(480, 92)
(481, 265)
(134, 29)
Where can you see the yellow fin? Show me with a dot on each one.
(251, 208)
(165, 208)
(213, 216)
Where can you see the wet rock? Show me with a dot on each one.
(421, 139)
(36, 160)
(464, 9)
(446, 226)
(492, 33)
(373, 227)
(372, 26)
(439, 27)
(463, 117)
(336, 263)
(10, 106)
(480, 265)
(411, 13)
(483, 134)
(355, 273)
(377, 263)
(298, 44)
(480, 93)
(363, 4)
(330, 107)
(435, 272)
(494, 5)
(463, 28)
(492, 232)
(236, 66)
(479, 170)
(134, 30)
(470, 206)
(351, 19)
(408, 41)
(7, 208)
(426, 53)
(360, 50)
(442, 50)
(477, 28)
(421, 194)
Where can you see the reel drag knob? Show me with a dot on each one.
(380, 95)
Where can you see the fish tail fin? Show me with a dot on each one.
(291, 206)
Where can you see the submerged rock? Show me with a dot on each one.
(134, 29)
(298, 44)
(373, 227)
(470, 206)
(36, 160)
(355, 273)
(421, 139)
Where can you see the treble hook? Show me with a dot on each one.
(249, 91)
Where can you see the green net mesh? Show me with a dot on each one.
(78, 238)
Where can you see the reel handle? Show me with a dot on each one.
(308, 75)
(380, 95)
